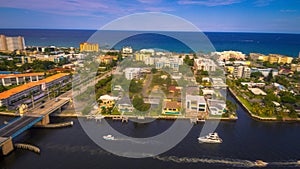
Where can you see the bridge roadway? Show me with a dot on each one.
(34, 116)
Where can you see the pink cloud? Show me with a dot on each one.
(158, 9)
(66, 7)
(208, 2)
(149, 1)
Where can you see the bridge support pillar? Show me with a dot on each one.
(7, 146)
(45, 121)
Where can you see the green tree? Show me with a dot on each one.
(153, 70)
(269, 78)
(135, 86)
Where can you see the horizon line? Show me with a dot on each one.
(206, 31)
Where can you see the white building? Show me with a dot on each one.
(195, 104)
(226, 55)
(127, 50)
(218, 83)
(151, 51)
(131, 73)
(265, 72)
(164, 62)
(242, 72)
(205, 64)
(216, 107)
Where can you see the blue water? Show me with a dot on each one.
(286, 44)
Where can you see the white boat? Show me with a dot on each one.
(109, 137)
(260, 163)
(210, 138)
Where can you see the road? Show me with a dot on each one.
(91, 83)
(15, 126)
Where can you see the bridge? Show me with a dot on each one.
(36, 116)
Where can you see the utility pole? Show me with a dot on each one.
(32, 100)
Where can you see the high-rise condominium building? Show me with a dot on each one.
(11, 43)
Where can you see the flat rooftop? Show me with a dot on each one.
(18, 89)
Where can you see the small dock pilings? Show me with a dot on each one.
(56, 125)
(27, 147)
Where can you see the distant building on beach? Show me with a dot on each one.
(89, 47)
(11, 43)
(227, 55)
(272, 58)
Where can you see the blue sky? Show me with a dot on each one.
(208, 15)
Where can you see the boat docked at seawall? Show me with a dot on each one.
(109, 137)
(210, 138)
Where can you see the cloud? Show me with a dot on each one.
(208, 2)
(158, 9)
(88, 8)
(149, 1)
(91, 8)
(262, 3)
(288, 10)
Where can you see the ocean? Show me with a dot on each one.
(265, 43)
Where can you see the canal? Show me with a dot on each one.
(244, 141)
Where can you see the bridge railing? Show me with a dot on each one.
(10, 122)
(27, 127)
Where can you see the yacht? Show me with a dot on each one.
(210, 138)
(109, 137)
(260, 163)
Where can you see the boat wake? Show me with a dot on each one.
(225, 161)
(285, 163)
(76, 149)
(136, 141)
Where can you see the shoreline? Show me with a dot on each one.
(119, 117)
(255, 117)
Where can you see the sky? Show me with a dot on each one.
(282, 16)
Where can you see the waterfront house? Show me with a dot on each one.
(216, 107)
(107, 101)
(195, 105)
(124, 105)
(171, 107)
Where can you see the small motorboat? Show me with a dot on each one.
(109, 137)
(260, 163)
